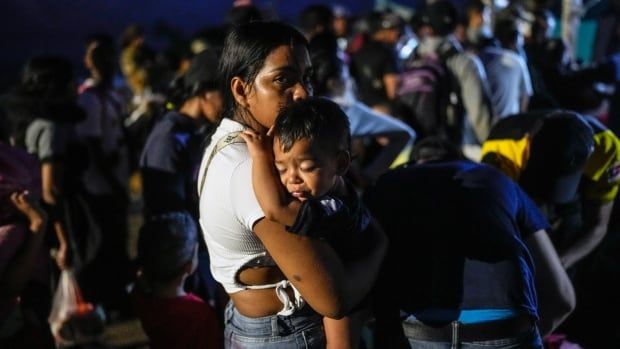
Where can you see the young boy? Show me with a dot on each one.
(304, 165)
(168, 253)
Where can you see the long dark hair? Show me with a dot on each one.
(245, 50)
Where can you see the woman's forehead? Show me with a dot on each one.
(288, 56)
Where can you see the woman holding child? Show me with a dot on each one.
(280, 284)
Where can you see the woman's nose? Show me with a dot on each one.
(301, 92)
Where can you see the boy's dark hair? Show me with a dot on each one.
(166, 244)
(315, 119)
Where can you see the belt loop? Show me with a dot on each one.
(455, 335)
(275, 329)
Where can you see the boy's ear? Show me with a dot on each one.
(343, 162)
(240, 91)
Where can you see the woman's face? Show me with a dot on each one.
(284, 78)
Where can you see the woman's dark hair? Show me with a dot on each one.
(245, 50)
(199, 78)
(103, 56)
(316, 119)
(166, 244)
(47, 76)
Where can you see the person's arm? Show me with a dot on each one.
(20, 268)
(51, 195)
(308, 263)
(556, 296)
(595, 217)
(344, 333)
(273, 199)
(391, 82)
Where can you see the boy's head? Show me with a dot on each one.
(167, 246)
(311, 146)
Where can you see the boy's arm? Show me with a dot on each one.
(273, 199)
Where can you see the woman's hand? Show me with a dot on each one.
(25, 203)
(260, 146)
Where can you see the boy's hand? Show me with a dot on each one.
(29, 207)
(260, 146)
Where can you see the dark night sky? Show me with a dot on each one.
(30, 27)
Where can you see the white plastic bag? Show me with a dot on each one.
(72, 320)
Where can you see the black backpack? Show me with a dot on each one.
(433, 97)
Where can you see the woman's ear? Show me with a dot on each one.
(239, 90)
(343, 162)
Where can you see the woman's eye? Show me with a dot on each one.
(282, 80)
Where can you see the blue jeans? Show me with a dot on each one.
(303, 330)
(527, 340)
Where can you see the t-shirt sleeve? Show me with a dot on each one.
(91, 126)
(602, 170)
(529, 217)
(243, 200)
(163, 153)
(47, 142)
(311, 219)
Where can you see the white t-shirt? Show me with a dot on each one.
(509, 79)
(229, 209)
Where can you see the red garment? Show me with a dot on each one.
(182, 322)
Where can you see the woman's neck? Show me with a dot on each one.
(248, 121)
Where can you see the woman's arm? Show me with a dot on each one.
(273, 199)
(332, 287)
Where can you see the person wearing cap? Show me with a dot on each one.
(469, 263)
(375, 65)
(570, 165)
(441, 17)
(172, 151)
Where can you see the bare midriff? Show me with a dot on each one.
(259, 303)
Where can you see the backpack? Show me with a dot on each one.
(432, 94)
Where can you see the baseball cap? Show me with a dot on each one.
(558, 152)
(383, 20)
(441, 16)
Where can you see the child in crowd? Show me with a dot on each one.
(310, 152)
(168, 254)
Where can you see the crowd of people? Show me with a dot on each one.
(441, 181)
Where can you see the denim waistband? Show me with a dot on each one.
(273, 325)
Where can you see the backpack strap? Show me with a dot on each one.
(231, 138)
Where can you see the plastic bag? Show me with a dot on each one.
(72, 320)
